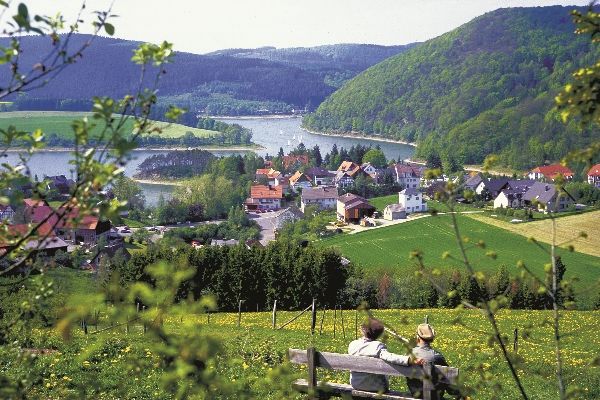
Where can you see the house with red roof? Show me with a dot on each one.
(300, 181)
(264, 197)
(294, 162)
(68, 224)
(548, 173)
(270, 175)
(593, 176)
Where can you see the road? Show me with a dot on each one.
(266, 221)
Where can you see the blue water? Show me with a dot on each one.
(271, 133)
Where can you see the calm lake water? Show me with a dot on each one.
(271, 133)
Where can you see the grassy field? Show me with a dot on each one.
(60, 123)
(253, 350)
(389, 247)
(567, 228)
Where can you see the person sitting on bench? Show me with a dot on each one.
(423, 350)
(369, 346)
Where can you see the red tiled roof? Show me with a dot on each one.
(298, 177)
(551, 171)
(348, 166)
(268, 172)
(63, 218)
(291, 160)
(266, 192)
(594, 171)
(34, 202)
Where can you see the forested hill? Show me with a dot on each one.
(335, 63)
(214, 83)
(485, 87)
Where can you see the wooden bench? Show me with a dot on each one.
(433, 376)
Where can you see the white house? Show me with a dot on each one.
(412, 200)
(300, 181)
(509, 199)
(6, 213)
(324, 197)
(408, 176)
(320, 176)
(393, 212)
(343, 179)
(264, 198)
(593, 176)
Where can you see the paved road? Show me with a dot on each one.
(267, 226)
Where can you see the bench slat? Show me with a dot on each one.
(448, 375)
(339, 389)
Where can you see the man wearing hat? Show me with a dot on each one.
(423, 350)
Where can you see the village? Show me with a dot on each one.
(277, 198)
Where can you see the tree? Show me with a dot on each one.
(375, 157)
(127, 190)
(316, 156)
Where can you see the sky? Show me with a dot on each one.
(201, 26)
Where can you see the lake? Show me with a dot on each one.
(270, 133)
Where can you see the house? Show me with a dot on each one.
(491, 188)
(284, 183)
(548, 173)
(409, 176)
(294, 162)
(46, 243)
(290, 214)
(300, 181)
(108, 252)
(264, 197)
(547, 198)
(60, 183)
(324, 197)
(471, 182)
(269, 175)
(412, 200)
(348, 166)
(593, 176)
(393, 212)
(6, 213)
(343, 180)
(319, 176)
(512, 196)
(221, 243)
(69, 225)
(353, 208)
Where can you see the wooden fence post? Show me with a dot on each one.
(208, 317)
(322, 318)
(84, 326)
(429, 382)
(426, 319)
(274, 318)
(312, 373)
(239, 313)
(516, 341)
(342, 321)
(144, 309)
(334, 319)
(313, 320)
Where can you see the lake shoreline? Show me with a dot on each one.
(139, 149)
(157, 182)
(350, 135)
(255, 117)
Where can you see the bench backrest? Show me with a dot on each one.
(345, 362)
(430, 375)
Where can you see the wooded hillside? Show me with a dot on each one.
(485, 87)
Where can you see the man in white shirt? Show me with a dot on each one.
(369, 346)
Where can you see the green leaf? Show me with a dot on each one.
(109, 28)
(23, 12)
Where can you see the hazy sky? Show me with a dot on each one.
(201, 26)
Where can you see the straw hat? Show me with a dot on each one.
(426, 332)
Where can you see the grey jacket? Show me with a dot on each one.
(372, 348)
(428, 354)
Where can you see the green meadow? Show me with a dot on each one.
(389, 248)
(59, 123)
